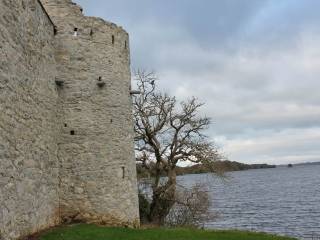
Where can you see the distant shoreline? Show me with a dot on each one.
(220, 166)
(300, 164)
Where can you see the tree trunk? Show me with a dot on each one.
(163, 200)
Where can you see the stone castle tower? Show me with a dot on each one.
(66, 133)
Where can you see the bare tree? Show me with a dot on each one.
(168, 133)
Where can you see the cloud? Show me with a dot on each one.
(256, 65)
(283, 147)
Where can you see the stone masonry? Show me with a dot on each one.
(66, 133)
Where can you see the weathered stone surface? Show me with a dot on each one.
(29, 125)
(66, 150)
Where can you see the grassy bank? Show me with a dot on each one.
(91, 232)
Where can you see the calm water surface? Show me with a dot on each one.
(284, 201)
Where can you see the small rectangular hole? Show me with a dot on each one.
(123, 172)
(72, 132)
(112, 39)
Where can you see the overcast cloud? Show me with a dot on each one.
(255, 63)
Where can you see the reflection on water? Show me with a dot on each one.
(283, 200)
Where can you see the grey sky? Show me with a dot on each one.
(255, 63)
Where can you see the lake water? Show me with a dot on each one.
(285, 201)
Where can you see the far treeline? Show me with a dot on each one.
(225, 166)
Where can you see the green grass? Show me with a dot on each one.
(91, 232)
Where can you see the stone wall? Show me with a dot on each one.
(98, 176)
(66, 131)
(28, 120)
